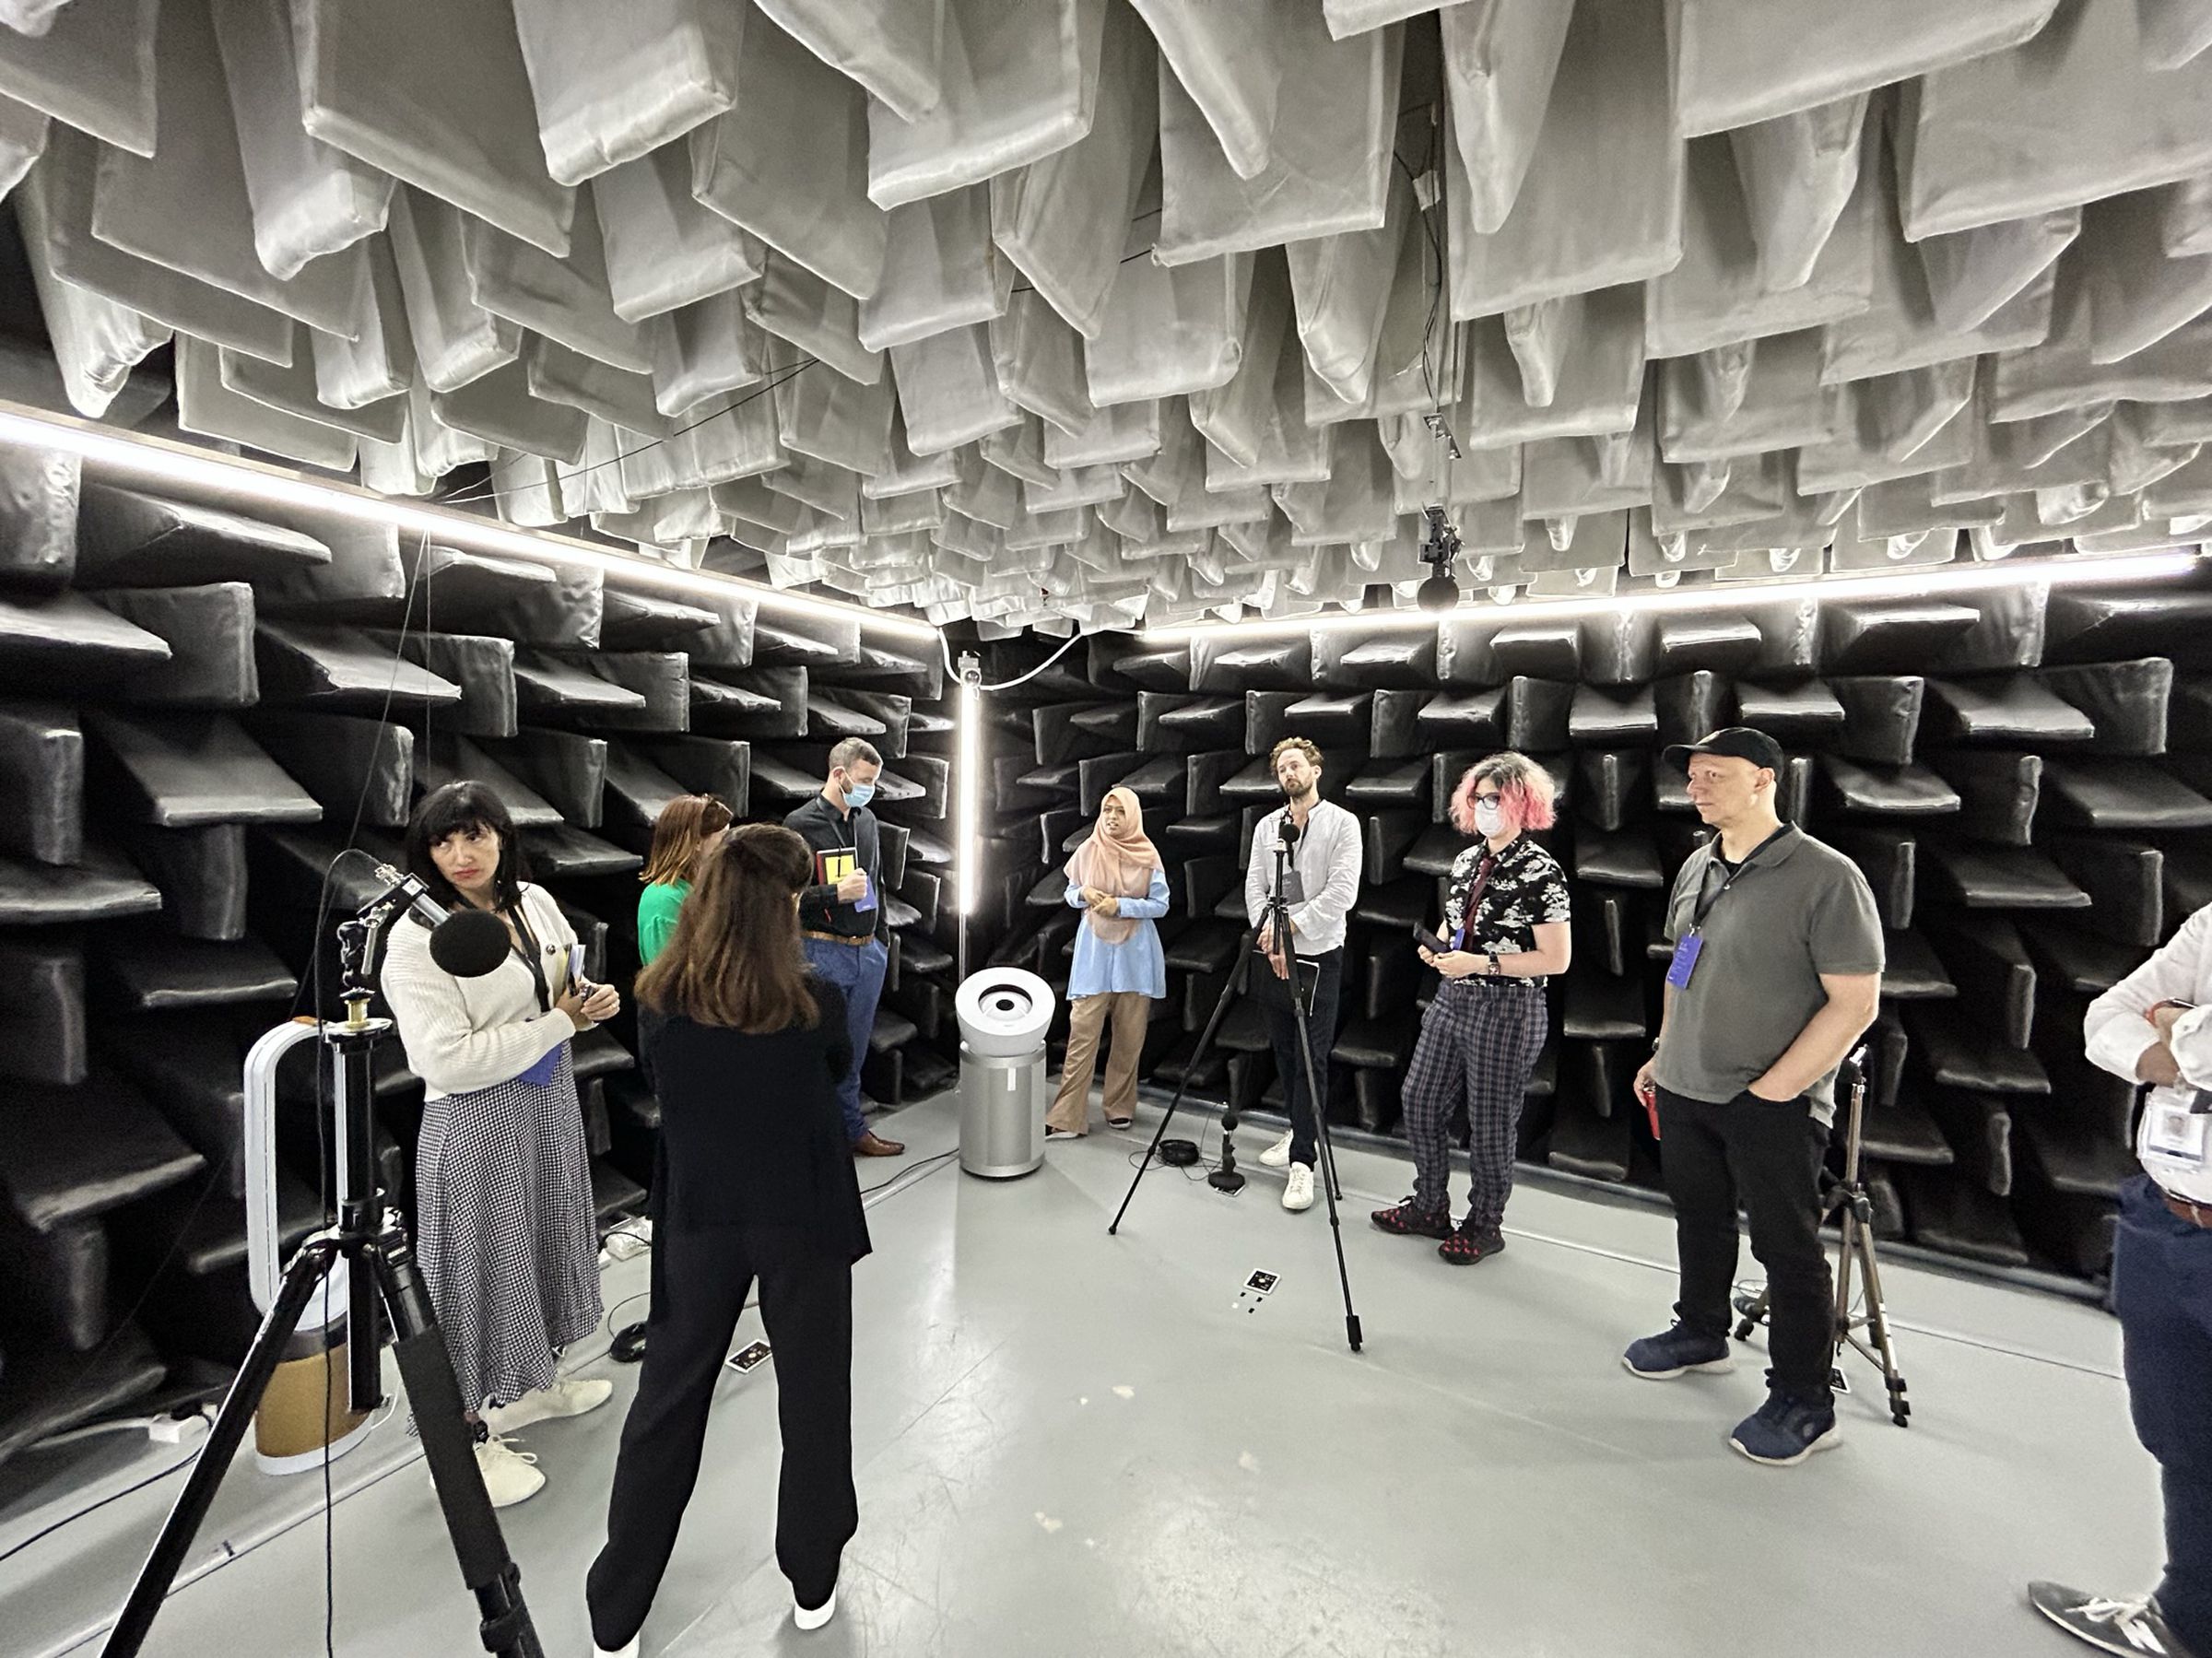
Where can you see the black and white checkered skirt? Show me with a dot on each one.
(509, 1244)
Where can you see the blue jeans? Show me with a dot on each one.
(858, 971)
(2162, 1289)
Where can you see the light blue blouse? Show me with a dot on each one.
(1136, 963)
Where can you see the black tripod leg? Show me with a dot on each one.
(1206, 1043)
(427, 1369)
(190, 1510)
(1318, 1103)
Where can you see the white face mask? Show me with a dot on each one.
(1489, 818)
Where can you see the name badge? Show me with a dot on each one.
(1686, 961)
(2175, 1131)
(1294, 887)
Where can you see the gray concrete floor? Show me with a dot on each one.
(1070, 1444)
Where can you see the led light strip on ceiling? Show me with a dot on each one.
(2057, 570)
(136, 458)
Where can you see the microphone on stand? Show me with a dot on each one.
(468, 944)
(420, 904)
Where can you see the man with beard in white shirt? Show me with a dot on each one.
(1322, 885)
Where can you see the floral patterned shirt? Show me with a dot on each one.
(1526, 887)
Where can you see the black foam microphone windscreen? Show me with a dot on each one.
(470, 944)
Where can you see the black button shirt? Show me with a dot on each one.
(825, 829)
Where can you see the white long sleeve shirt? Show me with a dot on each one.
(2174, 1143)
(1328, 860)
(469, 1033)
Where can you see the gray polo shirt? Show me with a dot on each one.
(1799, 910)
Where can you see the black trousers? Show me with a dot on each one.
(1767, 1157)
(700, 1280)
(1274, 998)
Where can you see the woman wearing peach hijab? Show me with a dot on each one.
(1116, 879)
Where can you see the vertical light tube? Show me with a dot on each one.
(967, 825)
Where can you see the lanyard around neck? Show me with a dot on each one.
(1707, 900)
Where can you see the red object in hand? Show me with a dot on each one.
(1651, 1110)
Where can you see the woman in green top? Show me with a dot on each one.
(685, 824)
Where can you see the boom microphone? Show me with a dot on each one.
(470, 944)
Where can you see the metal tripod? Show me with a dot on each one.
(1849, 1203)
(381, 1259)
(1276, 921)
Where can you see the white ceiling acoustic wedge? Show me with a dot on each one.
(1329, 159)
(940, 271)
(1500, 57)
(1062, 221)
(664, 249)
(1602, 201)
(1742, 61)
(437, 95)
(807, 201)
(614, 83)
(2052, 123)
(62, 183)
(91, 66)
(186, 206)
(891, 47)
(1018, 80)
(309, 199)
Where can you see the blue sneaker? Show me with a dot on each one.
(1784, 1431)
(1660, 1357)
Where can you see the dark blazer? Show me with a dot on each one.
(751, 1131)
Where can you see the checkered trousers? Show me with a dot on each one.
(1478, 1042)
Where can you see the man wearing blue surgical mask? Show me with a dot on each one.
(841, 924)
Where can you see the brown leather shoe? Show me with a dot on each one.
(873, 1145)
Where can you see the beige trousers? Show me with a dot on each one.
(1130, 1012)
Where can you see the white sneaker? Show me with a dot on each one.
(819, 1617)
(629, 1652)
(1278, 1155)
(1298, 1191)
(570, 1398)
(509, 1476)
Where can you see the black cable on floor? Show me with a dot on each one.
(41, 1536)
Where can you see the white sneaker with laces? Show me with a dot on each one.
(570, 1398)
(818, 1617)
(509, 1476)
(1278, 1155)
(2132, 1628)
(1298, 1191)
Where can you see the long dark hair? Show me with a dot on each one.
(685, 825)
(734, 959)
(467, 804)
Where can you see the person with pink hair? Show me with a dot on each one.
(1505, 925)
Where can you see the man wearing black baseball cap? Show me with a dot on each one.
(1777, 970)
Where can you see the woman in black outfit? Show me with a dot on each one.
(753, 1180)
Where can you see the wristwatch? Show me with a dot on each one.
(1492, 969)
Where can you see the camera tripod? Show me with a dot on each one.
(1275, 920)
(1848, 1202)
(380, 1258)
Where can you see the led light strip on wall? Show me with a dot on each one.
(137, 458)
(2057, 570)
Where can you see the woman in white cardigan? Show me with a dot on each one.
(506, 1234)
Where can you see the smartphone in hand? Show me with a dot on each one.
(1430, 941)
